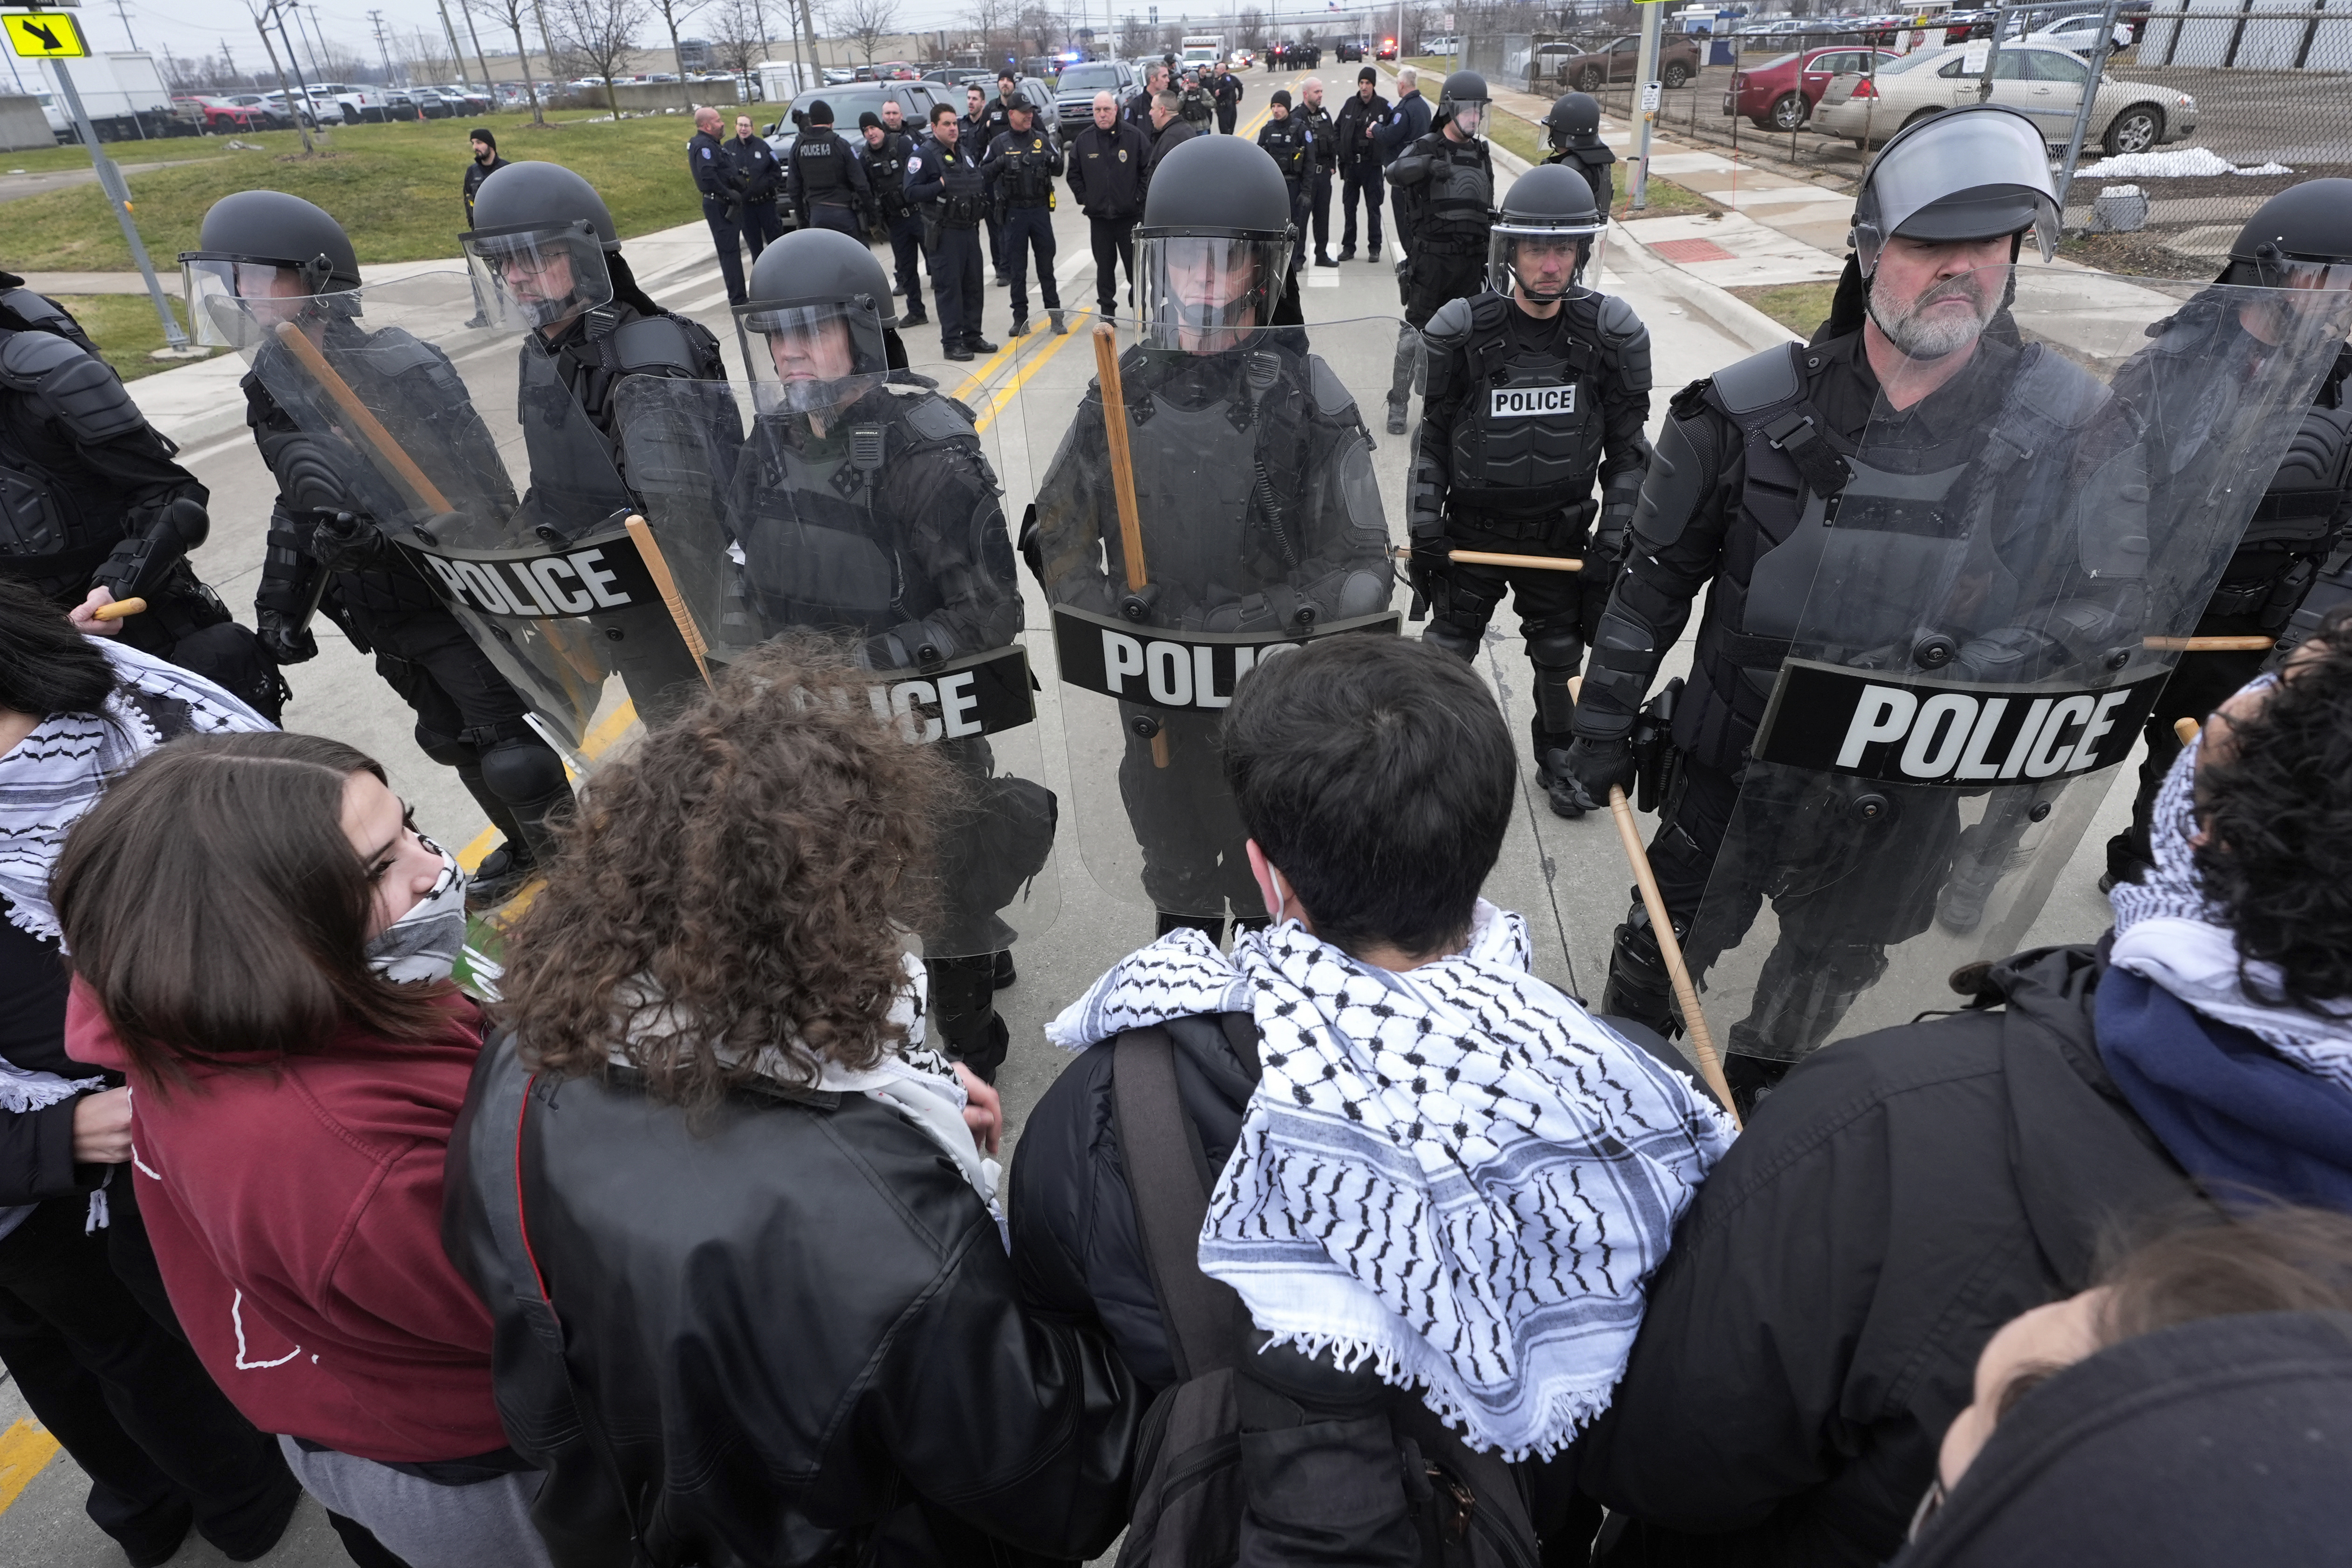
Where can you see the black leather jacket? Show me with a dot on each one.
(795, 1327)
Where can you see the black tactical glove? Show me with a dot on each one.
(346, 541)
(283, 641)
(1426, 566)
(1592, 767)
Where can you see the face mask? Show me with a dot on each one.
(422, 944)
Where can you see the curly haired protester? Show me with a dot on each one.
(2201, 1053)
(262, 942)
(736, 1223)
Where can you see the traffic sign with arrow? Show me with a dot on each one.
(46, 36)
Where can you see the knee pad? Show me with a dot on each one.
(1553, 648)
(522, 772)
(1462, 642)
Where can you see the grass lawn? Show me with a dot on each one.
(163, 150)
(1800, 307)
(125, 329)
(1666, 199)
(394, 188)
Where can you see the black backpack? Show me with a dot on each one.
(1276, 1458)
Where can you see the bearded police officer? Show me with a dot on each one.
(1258, 521)
(545, 247)
(1536, 388)
(273, 259)
(888, 145)
(1573, 130)
(1444, 191)
(828, 184)
(1920, 433)
(93, 510)
(944, 181)
(1021, 167)
(2299, 240)
(1360, 120)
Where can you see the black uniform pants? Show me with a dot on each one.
(762, 225)
(727, 236)
(1184, 819)
(906, 251)
(2201, 683)
(956, 280)
(1226, 114)
(1367, 183)
(1114, 246)
(128, 1398)
(1557, 617)
(1028, 231)
(995, 250)
(1432, 277)
(837, 217)
(1320, 205)
(464, 706)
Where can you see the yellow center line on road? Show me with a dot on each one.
(25, 1449)
(1002, 397)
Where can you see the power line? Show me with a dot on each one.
(121, 11)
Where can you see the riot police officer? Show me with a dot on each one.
(1573, 130)
(1258, 512)
(827, 182)
(1537, 387)
(944, 180)
(1020, 166)
(888, 145)
(1444, 189)
(1970, 443)
(546, 250)
(93, 510)
(2299, 239)
(268, 250)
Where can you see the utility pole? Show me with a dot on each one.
(456, 53)
(490, 82)
(382, 48)
(293, 104)
(281, 7)
(123, 11)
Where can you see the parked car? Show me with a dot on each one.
(1074, 93)
(1349, 53)
(1449, 45)
(836, 76)
(2081, 33)
(218, 116)
(1678, 61)
(1387, 51)
(1780, 94)
(2044, 81)
(272, 116)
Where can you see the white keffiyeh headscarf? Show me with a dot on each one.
(1453, 1172)
(2168, 932)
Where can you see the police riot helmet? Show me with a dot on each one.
(817, 325)
(1463, 101)
(1549, 209)
(1214, 248)
(538, 246)
(1575, 118)
(260, 245)
(1978, 172)
(2300, 238)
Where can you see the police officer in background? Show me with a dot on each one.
(1196, 103)
(828, 185)
(1444, 185)
(987, 123)
(2301, 239)
(888, 145)
(1021, 167)
(1169, 131)
(760, 181)
(1354, 128)
(1573, 130)
(944, 179)
(94, 511)
(722, 205)
(1291, 145)
(1225, 89)
(1106, 181)
(1138, 109)
(1537, 387)
(546, 243)
(326, 551)
(1319, 125)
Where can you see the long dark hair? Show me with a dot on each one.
(213, 902)
(46, 665)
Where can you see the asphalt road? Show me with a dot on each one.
(1568, 879)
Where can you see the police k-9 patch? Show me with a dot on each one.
(1524, 401)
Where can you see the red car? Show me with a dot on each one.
(1779, 95)
(216, 115)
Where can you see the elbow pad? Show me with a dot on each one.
(1682, 471)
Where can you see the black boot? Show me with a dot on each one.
(503, 873)
(1003, 975)
(1639, 986)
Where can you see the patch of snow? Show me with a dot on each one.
(2181, 163)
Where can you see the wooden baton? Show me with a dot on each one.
(120, 608)
(1492, 558)
(387, 452)
(2210, 645)
(2185, 729)
(1122, 483)
(692, 635)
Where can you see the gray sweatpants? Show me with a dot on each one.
(485, 1525)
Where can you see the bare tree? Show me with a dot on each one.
(1039, 31)
(741, 42)
(510, 13)
(865, 23)
(600, 34)
(672, 13)
(1251, 27)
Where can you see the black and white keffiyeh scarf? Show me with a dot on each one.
(1454, 1172)
(2169, 933)
(57, 771)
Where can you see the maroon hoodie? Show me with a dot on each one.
(296, 1217)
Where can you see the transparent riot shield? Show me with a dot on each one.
(873, 520)
(1978, 624)
(1235, 507)
(505, 500)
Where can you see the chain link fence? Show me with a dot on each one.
(2211, 106)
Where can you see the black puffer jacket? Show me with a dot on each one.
(1816, 1325)
(795, 1325)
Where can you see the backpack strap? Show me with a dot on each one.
(1168, 1174)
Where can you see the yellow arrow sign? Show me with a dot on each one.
(46, 36)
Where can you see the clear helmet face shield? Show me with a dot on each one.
(1543, 258)
(1207, 294)
(1469, 115)
(235, 300)
(805, 358)
(529, 275)
(1966, 175)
